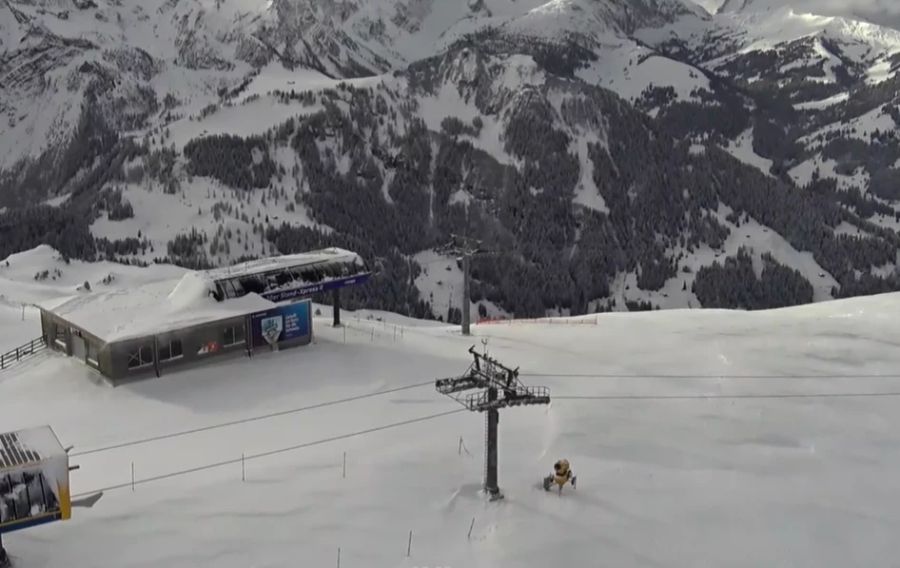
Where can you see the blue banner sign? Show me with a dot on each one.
(280, 324)
(309, 290)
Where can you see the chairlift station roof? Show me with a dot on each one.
(29, 447)
(197, 297)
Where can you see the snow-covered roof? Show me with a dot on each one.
(28, 447)
(285, 261)
(166, 305)
(153, 308)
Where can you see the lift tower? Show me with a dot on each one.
(498, 387)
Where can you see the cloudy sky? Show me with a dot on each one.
(885, 12)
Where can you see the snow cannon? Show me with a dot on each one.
(562, 474)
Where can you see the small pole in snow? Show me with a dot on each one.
(409, 546)
(373, 335)
(344, 472)
(459, 451)
(470, 528)
(339, 557)
(243, 470)
(132, 476)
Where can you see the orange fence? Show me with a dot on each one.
(545, 321)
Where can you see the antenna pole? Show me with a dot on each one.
(336, 306)
(490, 475)
(464, 248)
(466, 310)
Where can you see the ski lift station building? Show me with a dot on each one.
(34, 479)
(160, 326)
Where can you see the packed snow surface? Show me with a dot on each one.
(691, 443)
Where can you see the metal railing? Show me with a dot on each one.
(518, 395)
(22, 352)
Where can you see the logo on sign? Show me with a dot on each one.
(271, 328)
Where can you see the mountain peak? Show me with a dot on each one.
(881, 12)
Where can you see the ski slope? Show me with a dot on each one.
(693, 452)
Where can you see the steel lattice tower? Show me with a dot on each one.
(499, 387)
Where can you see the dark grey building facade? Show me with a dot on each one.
(157, 354)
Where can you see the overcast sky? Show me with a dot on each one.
(884, 12)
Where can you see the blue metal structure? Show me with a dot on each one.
(285, 278)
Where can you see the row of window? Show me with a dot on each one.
(261, 283)
(142, 356)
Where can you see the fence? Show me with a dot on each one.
(19, 353)
(577, 320)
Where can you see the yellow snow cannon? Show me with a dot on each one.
(562, 474)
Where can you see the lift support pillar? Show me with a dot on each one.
(336, 306)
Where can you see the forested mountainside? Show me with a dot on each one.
(609, 155)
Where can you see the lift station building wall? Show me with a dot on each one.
(161, 326)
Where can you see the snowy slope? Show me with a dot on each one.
(15, 330)
(697, 470)
(41, 274)
(883, 12)
(146, 65)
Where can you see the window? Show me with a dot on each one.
(140, 357)
(253, 284)
(92, 354)
(209, 347)
(231, 288)
(60, 339)
(170, 350)
(237, 289)
(234, 335)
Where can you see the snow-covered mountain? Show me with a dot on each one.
(883, 12)
(614, 153)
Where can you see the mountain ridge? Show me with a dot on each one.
(711, 88)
